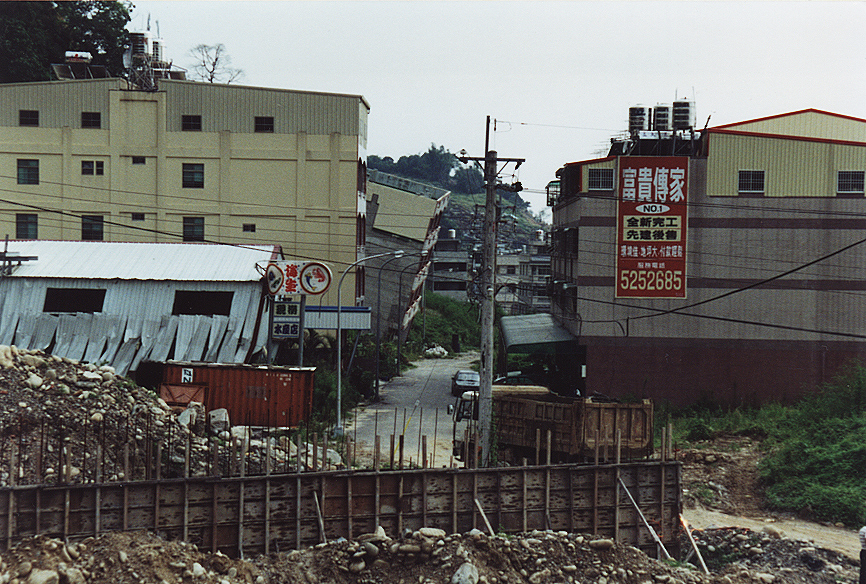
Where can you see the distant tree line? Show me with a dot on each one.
(437, 166)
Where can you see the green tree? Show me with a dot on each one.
(437, 166)
(33, 35)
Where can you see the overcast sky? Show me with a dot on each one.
(558, 77)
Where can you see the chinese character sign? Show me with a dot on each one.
(652, 218)
(288, 278)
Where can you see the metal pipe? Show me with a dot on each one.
(338, 429)
(379, 320)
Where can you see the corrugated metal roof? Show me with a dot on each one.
(533, 333)
(103, 260)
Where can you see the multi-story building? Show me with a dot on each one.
(402, 214)
(533, 290)
(508, 281)
(100, 159)
(451, 274)
(723, 264)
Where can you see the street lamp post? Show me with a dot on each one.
(400, 318)
(379, 319)
(338, 429)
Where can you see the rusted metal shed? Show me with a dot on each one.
(255, 395)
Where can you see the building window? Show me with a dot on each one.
(849, 182)
(202, 302)
(139, 160)
(91, 228)
(190, 123)
(74, 300)
(28, 117)
(449, 285)
(264, 124)
(26, 226)
(193, 176)
(510, 270)
(751, 182)
(138, 216)
(600, 179)
(91, 120)
(92, 167)
(28, 172)
(193, 228)
(249, 227)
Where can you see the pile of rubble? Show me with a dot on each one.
(425, 556)
(67, 422)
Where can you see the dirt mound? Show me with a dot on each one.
(425, 557)
(723, 475)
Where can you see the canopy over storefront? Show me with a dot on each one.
(535, 333)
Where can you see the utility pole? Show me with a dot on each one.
(488, 278)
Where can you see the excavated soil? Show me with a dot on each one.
(719, 480)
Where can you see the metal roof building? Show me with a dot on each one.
(744, 288)
(122, 303)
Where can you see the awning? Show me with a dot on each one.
(534, 333)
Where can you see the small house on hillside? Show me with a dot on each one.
(122, 303)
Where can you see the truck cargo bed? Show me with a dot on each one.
(578, 426)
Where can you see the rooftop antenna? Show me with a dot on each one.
(148, 22)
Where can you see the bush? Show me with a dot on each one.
(816, 449)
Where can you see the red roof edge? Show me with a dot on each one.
(604, 159)
(777, 116)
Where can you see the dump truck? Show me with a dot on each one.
(580, 429)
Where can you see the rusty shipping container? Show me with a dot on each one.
(256, 395)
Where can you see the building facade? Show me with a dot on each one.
(126, 303)
(401, 215)
(722, 265)
(99, 159)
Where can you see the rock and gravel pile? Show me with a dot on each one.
(66, 421)
(71, 422)
(426, 556)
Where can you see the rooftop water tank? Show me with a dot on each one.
(639, 117)
(684, 114)
(662, 118)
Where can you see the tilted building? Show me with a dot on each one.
(721, 265)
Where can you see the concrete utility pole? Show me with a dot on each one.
(488, 278)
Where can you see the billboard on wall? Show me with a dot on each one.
(652, 221)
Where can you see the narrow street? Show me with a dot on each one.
(414, 405)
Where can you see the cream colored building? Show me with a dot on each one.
(763, 302)
(98, 160)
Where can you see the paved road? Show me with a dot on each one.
(414, 404)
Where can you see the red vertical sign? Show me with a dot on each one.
(652, 218)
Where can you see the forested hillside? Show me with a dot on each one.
(441, 168)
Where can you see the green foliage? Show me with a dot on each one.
(444, 318)
(816, 449)
(437, 166)
(325, 399)
(33, 35)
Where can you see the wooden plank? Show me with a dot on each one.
(349, 507)
(246, 515)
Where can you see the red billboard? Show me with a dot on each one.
(652, 221)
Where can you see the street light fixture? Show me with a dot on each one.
(379, 319)
(338, 429)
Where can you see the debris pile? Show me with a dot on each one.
(425, 556)
(62, 421)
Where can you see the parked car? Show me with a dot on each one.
(465, 380)
(517, 378)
